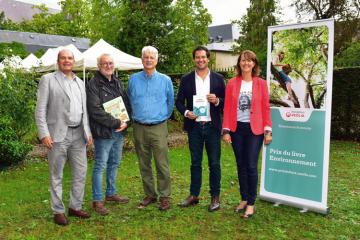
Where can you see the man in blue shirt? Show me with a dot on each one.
(151, 97)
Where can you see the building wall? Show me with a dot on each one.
(224, 60)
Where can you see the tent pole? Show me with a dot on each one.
(84, 76)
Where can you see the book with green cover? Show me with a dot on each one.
(117, 109)
(200, 105)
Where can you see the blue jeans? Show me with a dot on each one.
(284, 77)
(246, 147)
(107, 154)
(198, 136)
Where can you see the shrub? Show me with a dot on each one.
(18, 99)
(12, 150)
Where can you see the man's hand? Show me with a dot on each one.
(227, 138)
(122, 127)
(212, 98)
(89, 141)
(47, 141)
(190, 115)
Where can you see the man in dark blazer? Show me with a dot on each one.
(203, 124)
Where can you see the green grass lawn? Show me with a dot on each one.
(25, 210)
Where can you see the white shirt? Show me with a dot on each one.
(244, 102)
(276, 60)
(203, 89)
(74, 92)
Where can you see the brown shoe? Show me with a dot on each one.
(79, 213)
(99, 208)
(117, 199)
(60, 219)
(164, 203)
(146, 201)
(189, 201)
(215, 204)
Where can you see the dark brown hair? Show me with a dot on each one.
(248, 55)
(201, 48)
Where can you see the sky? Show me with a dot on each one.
(222, 12)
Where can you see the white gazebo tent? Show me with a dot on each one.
(12, 62)
(122, 61)
(31, 61)
(49, 59)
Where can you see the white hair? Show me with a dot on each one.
(103, 55)
(150, 49)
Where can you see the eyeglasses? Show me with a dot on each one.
(107, 64)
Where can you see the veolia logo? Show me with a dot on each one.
(295, 114)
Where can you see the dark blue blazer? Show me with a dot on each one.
(187, 89)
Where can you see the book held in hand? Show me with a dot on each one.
(200, 105)
(117, 109)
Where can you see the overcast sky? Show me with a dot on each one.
(222, 12)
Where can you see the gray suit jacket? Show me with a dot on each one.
(53, 108)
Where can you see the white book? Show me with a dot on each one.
(117, 109)
(200, 105)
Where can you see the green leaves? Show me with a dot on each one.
(253, 27)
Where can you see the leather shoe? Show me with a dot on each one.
(147, 201)
(116, 198)
(164, 203)
(99, 208)
(78, 213)
(189, 201)
(215, 204)
(60, 219)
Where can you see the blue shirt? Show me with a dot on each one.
(151, 97)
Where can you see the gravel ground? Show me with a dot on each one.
(175, 139)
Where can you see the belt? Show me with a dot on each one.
(73, 127)
(203, 122)
(149, 124)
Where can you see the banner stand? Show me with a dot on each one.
(295, 165)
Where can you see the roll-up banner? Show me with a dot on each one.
(299, 75)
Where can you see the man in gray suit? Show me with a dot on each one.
(62, 122)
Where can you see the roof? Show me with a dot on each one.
(224, 31)
(17, 11)
(35, 41)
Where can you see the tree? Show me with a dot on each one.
(189, 28)
(253, 29)
(175, 29)
(12, 49)
(71, 21)
(323, 9)
(345, 12)
(306, 52)
(105, 20)
(349, 57)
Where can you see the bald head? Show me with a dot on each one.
(66, 61)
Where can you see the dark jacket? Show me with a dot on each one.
(101, 122)
(187, 89)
